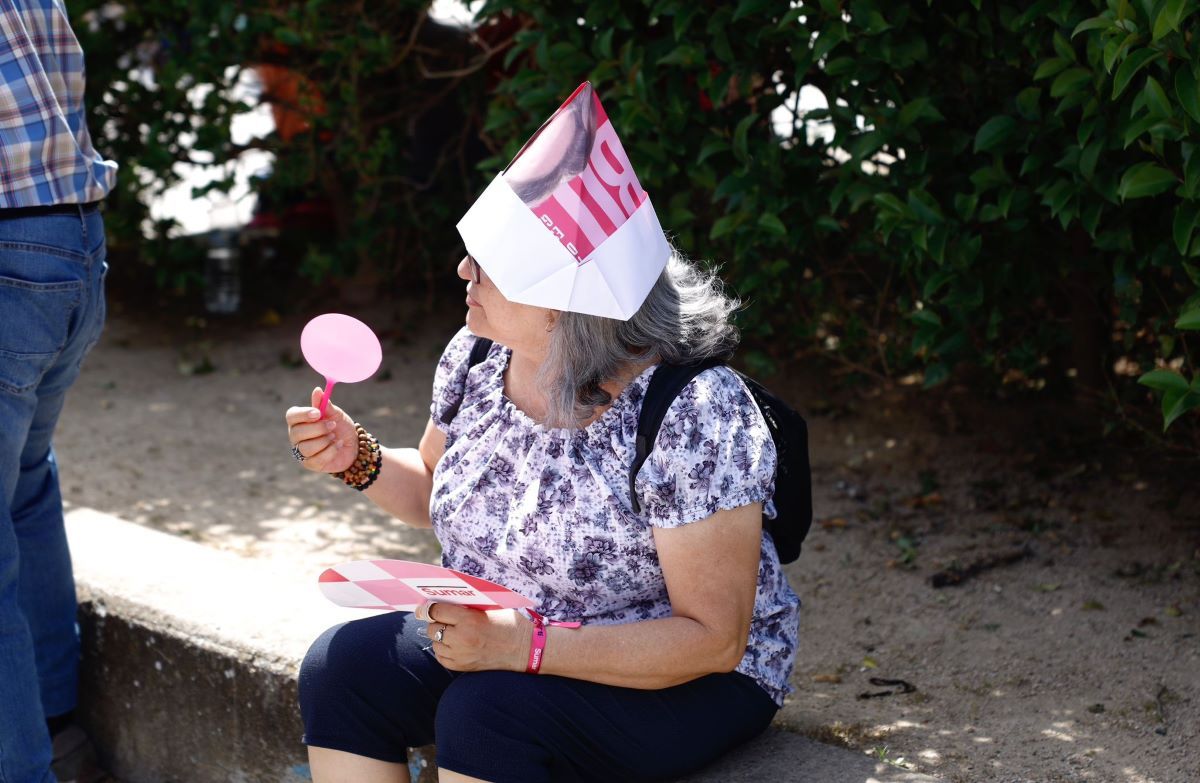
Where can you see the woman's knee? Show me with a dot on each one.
(370, 687)
(358, 657)
(322, 667)
(487, 725)
(481, 696)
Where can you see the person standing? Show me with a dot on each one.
(52, 267)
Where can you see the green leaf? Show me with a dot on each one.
(828, 38)
(288, 36)
(892, 204)
(1169, 17)
(1156, 98)
(739, 136)
(926, 318)
(1184, 223)
(1095, 23)
(916, 109)
(1063, 47)
(1164, 380)
(1089, 218)
(749, 7)
(1068, 81)
(1088, 159)
(1004, 201)
(989, 177)
(936, 282)
(1189, 320)
(684, 54)
(1135, 129)
(604, 43)
(710, 148)
(937, 243)
(1085, 131)
(964, 205)
(1116, 49)
(791, 17)
(771, 223)
(1050, 67)
(993, 133)
(1145, 179)
(683, 19)
(1058, 195)
(1186, 91)
(724, 225)
(1193, 273)
(935, 374)
(1071, 101)
(1191, 175)
(1129, 68)
(1027, 102)
(829, 224)
(925, 207)
(875, 23)
(1185, 403)
(841, 66)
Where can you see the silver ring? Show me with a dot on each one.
(437, 635)
(296, 453)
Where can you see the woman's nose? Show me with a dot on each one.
(464, 269)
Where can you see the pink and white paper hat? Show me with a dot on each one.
(567, 226)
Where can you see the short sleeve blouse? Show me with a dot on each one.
(546, 511)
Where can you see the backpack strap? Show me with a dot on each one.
(479, 352)
(665, 384)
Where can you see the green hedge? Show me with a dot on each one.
(386, 78)
(1004, 192)
(1010, 186)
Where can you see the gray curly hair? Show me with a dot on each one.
(685, 318)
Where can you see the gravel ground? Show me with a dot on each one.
(1070, 655)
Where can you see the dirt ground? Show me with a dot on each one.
(1071, 653)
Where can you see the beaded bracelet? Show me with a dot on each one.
(365, 469)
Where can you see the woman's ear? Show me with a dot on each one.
(552, 317)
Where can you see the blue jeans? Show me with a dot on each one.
(51, 312)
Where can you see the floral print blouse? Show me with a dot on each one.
(546, 512)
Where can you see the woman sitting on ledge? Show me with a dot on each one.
(670, 632)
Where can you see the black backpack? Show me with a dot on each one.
(793, 475)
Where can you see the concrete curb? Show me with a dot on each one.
(191, 656)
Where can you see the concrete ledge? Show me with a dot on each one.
(191, 656)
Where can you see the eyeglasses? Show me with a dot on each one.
(473, 265)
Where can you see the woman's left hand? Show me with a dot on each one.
(473, 640)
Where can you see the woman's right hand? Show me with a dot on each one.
(329, 444)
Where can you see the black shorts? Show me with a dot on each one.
(371, 687)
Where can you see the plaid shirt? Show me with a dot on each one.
(46, 153)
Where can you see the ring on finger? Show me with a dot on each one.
(439, 633)
(296, 453)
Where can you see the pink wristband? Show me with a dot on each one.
(537, 644)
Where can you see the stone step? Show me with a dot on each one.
(191, 656)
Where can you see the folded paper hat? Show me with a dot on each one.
(567, 226)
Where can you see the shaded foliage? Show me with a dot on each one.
(377, 140)
(997, 191)
(984, 189)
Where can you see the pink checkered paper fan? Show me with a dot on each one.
(567, 225)
(403, 585)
